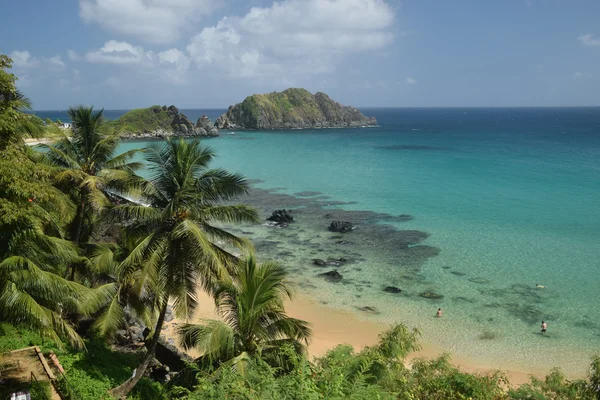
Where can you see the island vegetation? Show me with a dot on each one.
(88, 248)
(291, 109)
(160, 121)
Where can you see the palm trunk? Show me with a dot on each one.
(79, 221)
(121, 391)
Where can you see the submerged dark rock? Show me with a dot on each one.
(431, 295)
(392, 289)
(369, 309)
(329, 263)
(281, 217)
(332, 276)
(341, 226)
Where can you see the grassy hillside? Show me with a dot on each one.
(287, 106)
(143, 120)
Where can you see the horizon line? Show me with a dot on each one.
(361, 107)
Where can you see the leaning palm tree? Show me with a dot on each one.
(91, 169)
(253, 321)
(179, 245)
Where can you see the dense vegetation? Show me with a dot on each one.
(87, 245)
(292, 108)
(143, 120)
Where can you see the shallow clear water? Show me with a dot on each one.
(508, 197)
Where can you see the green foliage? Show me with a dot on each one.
(142, 120)
(90, 373)
(557, 387)
(291, 105)
(14, 122)
(89, 169)
(176, 248)
(41, 390)
(253, 319)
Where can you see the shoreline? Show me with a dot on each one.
(332, 327)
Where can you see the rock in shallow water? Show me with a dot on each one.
(431, 295)
(281, 217)
(329, 263)
(332, 276)
(392, 289)
(341, 226)
(369, 309)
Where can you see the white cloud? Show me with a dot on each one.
(122, 53)
(589, 40)
(72, 55)
(411, 81)
(57, 62)
(176, 63)
(155, 21)
(293, 37)
(577, 75)
(23, 59)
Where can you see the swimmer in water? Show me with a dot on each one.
(439, 312)
(544, 327)
(537, 285)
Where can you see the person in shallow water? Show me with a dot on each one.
(537, 285)
(439, 312)
(544, 327)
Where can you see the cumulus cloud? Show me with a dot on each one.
(293, 36)
(589, 40)
(23, 59)
(122, 53)
(155, 21)
(411, 81)
(57, 62)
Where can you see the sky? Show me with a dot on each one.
(122, 54)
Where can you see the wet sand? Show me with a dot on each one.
(332, 327)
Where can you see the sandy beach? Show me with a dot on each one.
(36, 141)
(332, 327)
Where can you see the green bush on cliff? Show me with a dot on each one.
(142, 120)
(287, 106)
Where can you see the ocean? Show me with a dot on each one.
(462, 209)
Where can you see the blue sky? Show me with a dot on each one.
(121, 54)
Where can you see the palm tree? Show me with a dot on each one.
(253, 320)
(179, 247)
(15, 122)
(89, 165)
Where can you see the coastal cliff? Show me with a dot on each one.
(161, 121)
(292, 109)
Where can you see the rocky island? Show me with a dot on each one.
(160, 121)
(292, 109)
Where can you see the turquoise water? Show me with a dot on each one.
(507, 197)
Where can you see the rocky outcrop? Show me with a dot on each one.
(332, 276)
(160, 122)
(206, 127)
(281, 217)
(292, 109)
(341, 226)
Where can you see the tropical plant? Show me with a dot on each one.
(90, 169)
(32, 221)
(179, 246)
(254, 322)
(15, 124)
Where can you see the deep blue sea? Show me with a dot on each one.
(502, 199)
